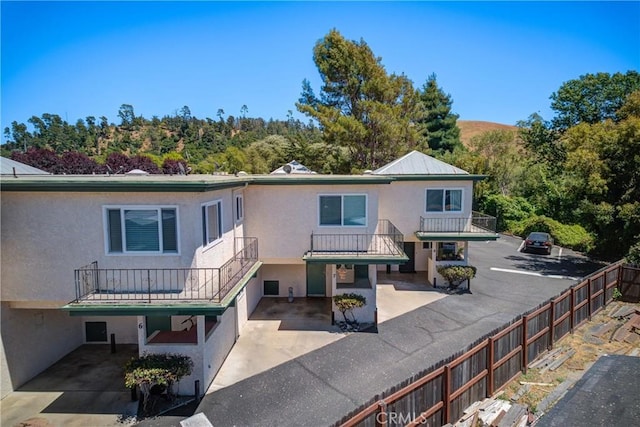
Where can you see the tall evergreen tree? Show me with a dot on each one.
(439, 125)
(361, 106)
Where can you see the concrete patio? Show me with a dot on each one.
(279, 331)
(84, 388)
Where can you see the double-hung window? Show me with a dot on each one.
(211, 222)
(343, 210)
(444, 200)
(141, 229)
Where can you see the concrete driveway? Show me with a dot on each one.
(321, 386)
(279, 331)
(84, 388)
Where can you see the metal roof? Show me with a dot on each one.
(417, 163)
(11, 167)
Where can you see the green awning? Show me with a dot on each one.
(360, 259)
(455, 236)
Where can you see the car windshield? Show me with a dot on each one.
(538, 236)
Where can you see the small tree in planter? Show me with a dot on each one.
(346, 303)
(456, 274)
(156, 369)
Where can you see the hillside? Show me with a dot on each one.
(471, 128)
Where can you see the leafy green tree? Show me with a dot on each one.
(438, 122)
(507, 210)
(18, 137)
(267, 154)
(361, 106)
(592, 98)
(542, 141)
(127, 116)
(502, 157)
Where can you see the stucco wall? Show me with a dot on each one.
(366, 314)
(125, 328)
(32, 340)
(283, 217)
(294, 276)
(218, 346)
(194, 351)
(247, 301)
(45, 236)
(404, 202)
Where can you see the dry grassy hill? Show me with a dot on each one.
(471, 128)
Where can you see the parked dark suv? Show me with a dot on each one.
(538, 241)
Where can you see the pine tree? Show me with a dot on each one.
(438, 123)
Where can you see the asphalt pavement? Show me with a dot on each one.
(322, 386)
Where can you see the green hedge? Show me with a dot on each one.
(569, 236)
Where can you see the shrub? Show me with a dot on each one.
(507, 210)
(347, 302)
(633, 257)
(570, 236)
(456, 274)
(156, 369)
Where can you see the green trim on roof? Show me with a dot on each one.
(200, 183)
(173, 309)
(306, 179)
(453, 237)
(117, 185)
(355, 259)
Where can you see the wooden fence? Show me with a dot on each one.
(630, 284)
(440, 394)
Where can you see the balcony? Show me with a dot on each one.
(384, 246)
(166, 285)
(478, 226)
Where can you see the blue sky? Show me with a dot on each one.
(499, 61)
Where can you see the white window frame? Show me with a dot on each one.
(205, 222)
(444, 197)
(239, 205)
(342, 195)
(122, 208)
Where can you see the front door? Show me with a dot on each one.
(409, 266)
(316, 280)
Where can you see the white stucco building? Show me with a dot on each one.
(178, 263)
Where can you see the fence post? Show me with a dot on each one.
(552, 319)
(589, 297)
(572, 309)
(381, 415)
(447, 393)
(525, 334)
(490, 363)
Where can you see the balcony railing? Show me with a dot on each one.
(386, 241)
(476, 223)
(150, 285)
